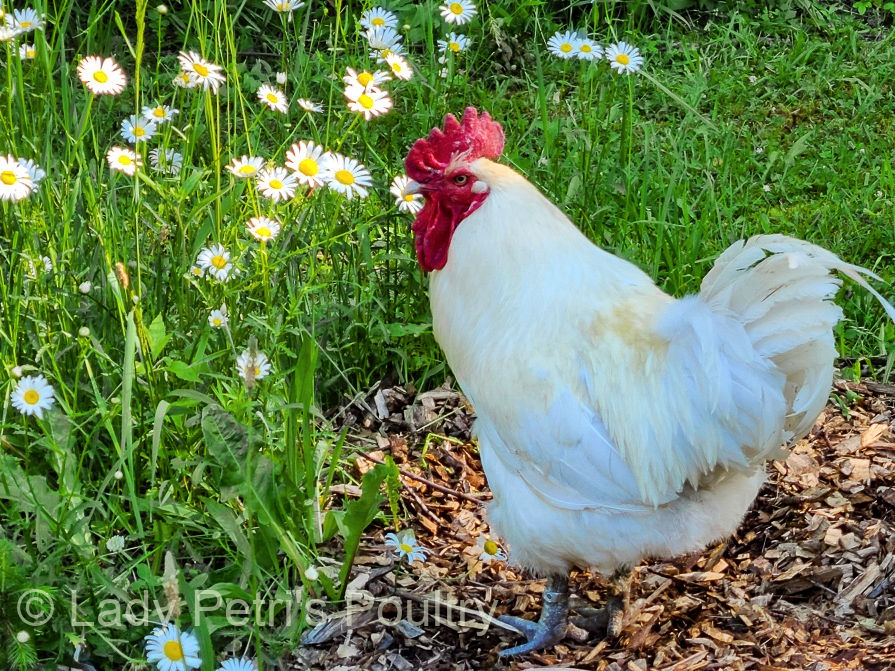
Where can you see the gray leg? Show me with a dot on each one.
(550, 627)
(608, 621)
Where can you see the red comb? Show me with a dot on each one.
(476, 136)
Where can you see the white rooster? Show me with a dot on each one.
(615, 422)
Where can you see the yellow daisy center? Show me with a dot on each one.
(378, 21)
(565, 48)
(276, 184)
(158, 112)
(173, 651)
(100, 76)
(30, 53)
(8, 177)
(491, 547)
(218, 261)
(197, 272)
(25, 24)
(456, 8)
(262, 232)
(344, 177)
(272, 97)
(586, 48)
(623, 59)
(308, 167)
(365, 78)
(409, 197)
(200, 69)
(385, 53)
(454, 46)
(366, 101)
(396, 67)
(138, 131)
(406, 548)
(124, 160)
(247, 170)
(31, 397)
(216, 321)
(282, 7)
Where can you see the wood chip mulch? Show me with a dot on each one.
(807, 582)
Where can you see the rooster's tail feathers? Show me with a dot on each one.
(782, 289)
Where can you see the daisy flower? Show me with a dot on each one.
(364, 78)
(399, 66)
(168, 162)
(489, 550)
(241, 664)
(28, 19)
(124, 160)
(173, 650)
(346, 176)
(135, 129)
(185, 80)
(101, 76)
(383, 37)
(459, 12)
(454, 42)
(257, 366)
(309, 105)
(276, 183)
(563, 45)
(284, 6)
(369, 101)
(377, 17)
(15, 182)
(587, 50)
(624, 57)
(246, 166)
(9, 31)
(197, 271)
(35, 172)
(159, 114)
(216, 261)
(305, 160)
(32, 395)
(263, 229)
(27, 52)
(273, 98)
(218, 318)
(206, 73)
(404, 543)
(406, 202)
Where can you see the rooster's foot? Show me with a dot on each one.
(603, 621)
(608, 621)
(551, 626)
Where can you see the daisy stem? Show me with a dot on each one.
(627, 140)
(357, 118)
(213, 129)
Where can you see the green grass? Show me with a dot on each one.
(213, 484)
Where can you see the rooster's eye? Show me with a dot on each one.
(461, 179)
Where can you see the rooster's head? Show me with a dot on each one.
(441, 167)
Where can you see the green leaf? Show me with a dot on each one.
(358, 515)
(156, 337)
(183, 370)
(226, 441)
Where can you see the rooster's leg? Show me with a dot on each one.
(608, 621)
(551, 626)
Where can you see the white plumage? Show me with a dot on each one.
(614, 421)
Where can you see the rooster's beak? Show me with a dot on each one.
(413, 188)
